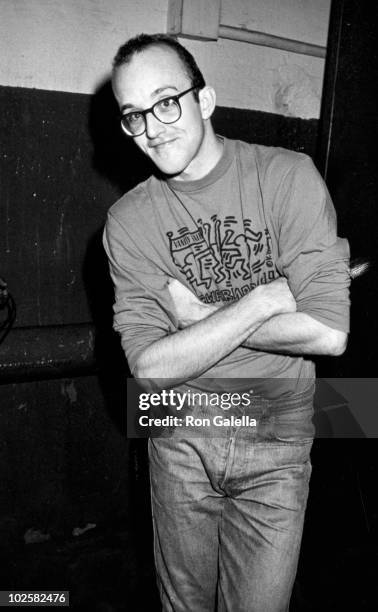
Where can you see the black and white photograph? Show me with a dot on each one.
(188, 299)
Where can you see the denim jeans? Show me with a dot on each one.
(228, 508)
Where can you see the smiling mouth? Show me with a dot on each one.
(161, 145)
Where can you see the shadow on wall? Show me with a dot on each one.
(114, 155)
(122, 166)
(119, 163)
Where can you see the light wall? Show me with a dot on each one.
(68, 45)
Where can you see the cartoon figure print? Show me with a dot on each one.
(221, 262)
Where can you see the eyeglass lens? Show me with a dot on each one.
(167, 111)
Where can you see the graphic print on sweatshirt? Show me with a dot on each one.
(221, 261)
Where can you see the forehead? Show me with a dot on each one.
(147, 72)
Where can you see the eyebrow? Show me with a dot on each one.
(157, 91)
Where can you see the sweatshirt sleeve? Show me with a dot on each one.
(143, 312)
(311, 256)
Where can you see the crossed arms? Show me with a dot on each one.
(264, 319)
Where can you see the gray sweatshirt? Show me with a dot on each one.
(261, 213)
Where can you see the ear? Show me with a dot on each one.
(207, 101)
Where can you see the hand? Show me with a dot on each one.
(276, 297)
(188, 308)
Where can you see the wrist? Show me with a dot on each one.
(260, 305)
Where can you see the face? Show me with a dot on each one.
(153, 74)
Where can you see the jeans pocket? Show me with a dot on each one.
(293, 426)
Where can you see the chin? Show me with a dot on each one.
(170, 169)
(174, 159)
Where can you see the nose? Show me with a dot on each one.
(154, 127)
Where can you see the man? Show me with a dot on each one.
(228, 275)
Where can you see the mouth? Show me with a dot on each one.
(162, 145)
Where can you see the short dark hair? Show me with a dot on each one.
(143, 41)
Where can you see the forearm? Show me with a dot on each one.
(191, 351)
(296, 334)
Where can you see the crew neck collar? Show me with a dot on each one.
(219, 169)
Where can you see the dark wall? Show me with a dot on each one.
(341, 530)
(347, 156)
(53, 204)
(65, 460)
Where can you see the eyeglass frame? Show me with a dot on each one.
(145, 112)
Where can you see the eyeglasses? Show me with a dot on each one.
(167, 110)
